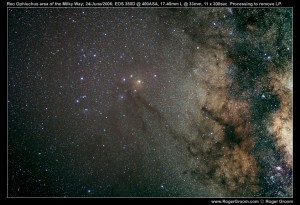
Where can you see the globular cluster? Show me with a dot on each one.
(150, 102)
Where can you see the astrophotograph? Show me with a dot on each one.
(150, 102)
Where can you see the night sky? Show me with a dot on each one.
(136, 102)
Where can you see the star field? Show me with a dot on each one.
(149, 102)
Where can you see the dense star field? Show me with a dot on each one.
(120, 102)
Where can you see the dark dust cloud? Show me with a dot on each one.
(150, 102)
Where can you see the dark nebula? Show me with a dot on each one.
(119, 102)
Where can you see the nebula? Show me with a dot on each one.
(194, 102)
